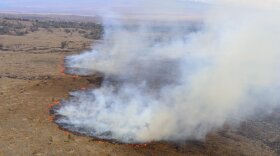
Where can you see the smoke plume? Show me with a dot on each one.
(174, 80)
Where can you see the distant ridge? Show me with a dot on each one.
(50, 16)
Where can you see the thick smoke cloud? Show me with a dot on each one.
(174, 81)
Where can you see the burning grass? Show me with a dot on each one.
(56, 104)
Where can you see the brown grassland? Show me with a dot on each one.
(31, 55)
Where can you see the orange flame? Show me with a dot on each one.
(101, 142)
(50, 106)
(75, 76)
(83, 88)
(62, 70)
(139, 145)
(50, 118)
(55, 102)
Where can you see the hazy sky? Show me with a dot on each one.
(60, 6)
(90, 7)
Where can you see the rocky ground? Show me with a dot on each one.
(31, 80)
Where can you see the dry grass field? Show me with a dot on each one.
(31, 79)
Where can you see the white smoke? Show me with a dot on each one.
(172, 82)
